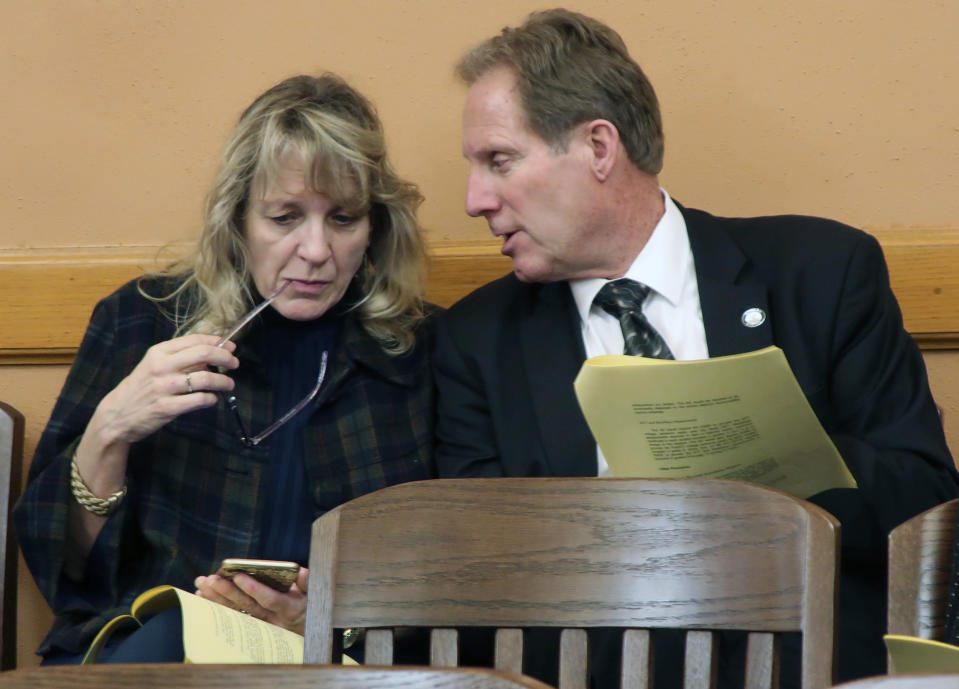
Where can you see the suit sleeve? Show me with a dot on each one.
(465, 434)
(886, 426)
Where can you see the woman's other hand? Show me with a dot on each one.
(246, 594)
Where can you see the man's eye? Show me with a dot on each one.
(498, 162)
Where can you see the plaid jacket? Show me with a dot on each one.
(193, 489)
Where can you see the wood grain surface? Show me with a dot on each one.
(904, 682)
(47, 295)
(575, 554)
(187, 676)
(920, 561)
(11, 458)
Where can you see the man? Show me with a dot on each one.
(562, 133)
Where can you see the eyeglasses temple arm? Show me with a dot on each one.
(295, 410)
(253, 314)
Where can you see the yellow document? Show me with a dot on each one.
(738, 417)
(212, 633)
(911, 655)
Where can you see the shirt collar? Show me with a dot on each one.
(655, 266)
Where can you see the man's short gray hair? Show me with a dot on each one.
(571, 69)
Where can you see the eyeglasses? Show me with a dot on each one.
(245, 437)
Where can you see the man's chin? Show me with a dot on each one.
(527, 273)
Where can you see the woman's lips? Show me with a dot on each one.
(309, 286)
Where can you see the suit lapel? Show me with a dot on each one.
(724, 293)
(552, 358)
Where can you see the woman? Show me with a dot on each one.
(145, 475)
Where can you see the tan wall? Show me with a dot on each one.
(115, 110)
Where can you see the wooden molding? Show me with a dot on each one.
(924, 275)
(46, 295)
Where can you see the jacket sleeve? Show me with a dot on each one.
(882, 418)
(465, 435)
(40, 516)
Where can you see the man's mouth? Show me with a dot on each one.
(506, 247)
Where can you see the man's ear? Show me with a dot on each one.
(603, 140)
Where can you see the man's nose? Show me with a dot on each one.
(480, 197)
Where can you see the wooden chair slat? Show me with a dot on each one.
(509, 650)
(762, 661)
(379, 647)
(702, 660)
(637, 659)
(573, 661)
(444, 648)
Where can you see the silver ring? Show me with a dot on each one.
(189, 385)
(244, 612)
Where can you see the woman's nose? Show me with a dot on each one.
(314, 245)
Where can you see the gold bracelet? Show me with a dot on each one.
(88, 501)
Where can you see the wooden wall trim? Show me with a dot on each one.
(46, 295)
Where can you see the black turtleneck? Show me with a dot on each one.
(291, 352)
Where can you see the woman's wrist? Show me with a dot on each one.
(102, 507)
(105, 432)
(101, 459)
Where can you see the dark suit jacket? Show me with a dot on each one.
(506, 356)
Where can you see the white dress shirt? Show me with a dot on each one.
(665, 265)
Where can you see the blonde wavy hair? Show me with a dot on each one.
(335, 131)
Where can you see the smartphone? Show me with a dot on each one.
(276, 574)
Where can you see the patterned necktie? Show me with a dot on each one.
(623, 299)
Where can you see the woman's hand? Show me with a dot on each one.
(246, 594)
(173, 378)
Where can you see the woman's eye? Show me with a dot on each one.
(284, 219)
(343, 219)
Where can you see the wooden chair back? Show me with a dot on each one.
(576, 553)
(189, 676)
(11, 458)
(920, 561)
